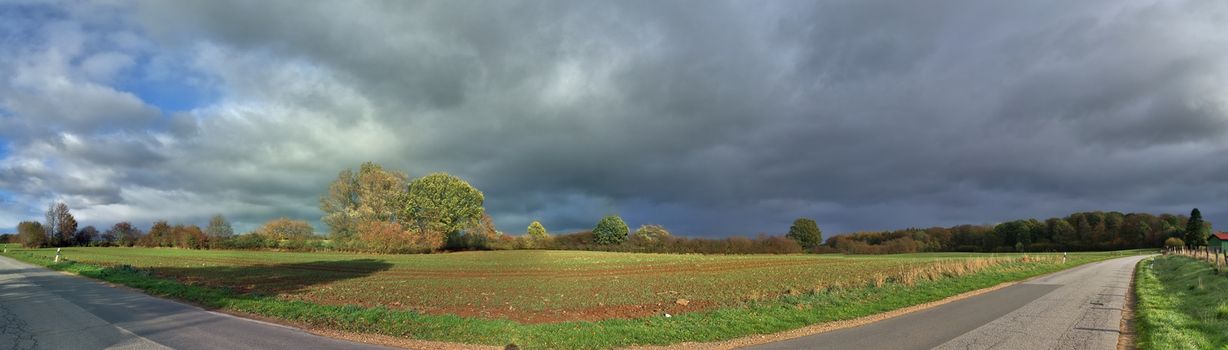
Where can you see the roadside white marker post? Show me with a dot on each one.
(1064, 257)
(57, 254)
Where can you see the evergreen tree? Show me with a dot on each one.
(1195, 230)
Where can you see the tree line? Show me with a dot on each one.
(380, 210)
(1077, 231)
(59, 229)
(373, 209)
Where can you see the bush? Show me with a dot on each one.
(189, 236)
(466, 240)
(1174, 242)
(250, 241)
(648, 234)
(610, 230)
(285, 228)
(390, 237)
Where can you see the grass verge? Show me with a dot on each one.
(1182, 304)
(760, 317)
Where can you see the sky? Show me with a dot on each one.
(713, 118)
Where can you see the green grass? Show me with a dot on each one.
(747, 294)
(1182, 304)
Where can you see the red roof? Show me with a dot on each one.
(1223, 236)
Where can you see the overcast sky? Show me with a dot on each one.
(712, 118)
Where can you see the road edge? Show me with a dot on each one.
(827, 326)
(1127, 338)
(845, 324)
(361, 338)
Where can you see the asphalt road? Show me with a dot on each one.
(43, 309)
(1078, 308)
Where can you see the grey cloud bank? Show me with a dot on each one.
(712, 118)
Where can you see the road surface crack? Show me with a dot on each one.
(14, 332)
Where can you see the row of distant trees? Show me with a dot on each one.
(612, 234)
(381, 210)
(378, 210)
(1077, 231)
(60, 230)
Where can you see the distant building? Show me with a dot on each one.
(1218, 241)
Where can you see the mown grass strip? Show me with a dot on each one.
(760, 317)
(1182, 304)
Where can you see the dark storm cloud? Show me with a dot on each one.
(712, 118)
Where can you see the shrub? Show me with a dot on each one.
(466, 240)
(389, 237)
(249, 241)
(649, 234)
(1174, 242)
(610, 230)
(285, 228)
(189, 236)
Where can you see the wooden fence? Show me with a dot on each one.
(1215, 257)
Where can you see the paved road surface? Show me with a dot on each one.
(43, 309)
(1078, 308)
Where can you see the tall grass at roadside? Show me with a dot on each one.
(1182, 304)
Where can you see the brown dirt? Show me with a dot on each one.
(721, 266)
(594, 313)
(1126, 339)
(581, 314)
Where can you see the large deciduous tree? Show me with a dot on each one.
(124, 234)
(371, 194)
(219, 228)
(806, 232)
(610, 230)
(160, 235)
(536, 236)
(31, 234)
(85, 236)
(189, 236)
(442, 203)
(60, 225)
(537, 232)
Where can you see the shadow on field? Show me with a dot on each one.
(274, 278)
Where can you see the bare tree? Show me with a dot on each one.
(60, 225)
